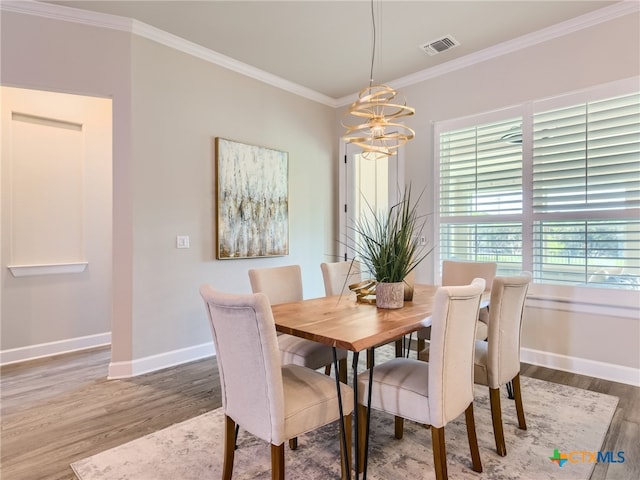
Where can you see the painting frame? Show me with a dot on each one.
(252, 200)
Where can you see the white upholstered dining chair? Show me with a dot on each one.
(436, 392)
(272, 401)
(455, 272)
(337, 277)
(284, 285)
(497, 360)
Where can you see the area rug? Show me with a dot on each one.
(558, 418)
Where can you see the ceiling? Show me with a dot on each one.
(326, 46)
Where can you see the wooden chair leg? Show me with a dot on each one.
(473, 439)
(362, 435)
(277, 462)
(345, 457)
(517, 393)
(399, 348)
(293, 443)
(342, 370)
(398, 427)
(496, 418)
(370, 354)
(229, 447)
(439, 453)
(327, 369)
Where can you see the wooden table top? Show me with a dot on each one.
(342, 322)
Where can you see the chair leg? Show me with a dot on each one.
(293, 443)
(517, 393)
(229, 447)
(439, 453)
(342, 370)
(420, 346)
(473, 439)
(362, 435)
(398, 427)
(327, 369)
(399, 348)
(236, 436)
(277, 462)
(370, 357)
(345, 459)
(496, 418)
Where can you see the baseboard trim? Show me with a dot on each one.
(33, 352)
(158, 362)
(582, 366)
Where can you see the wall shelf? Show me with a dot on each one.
(51, 269)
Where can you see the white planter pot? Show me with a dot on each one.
(390, 295)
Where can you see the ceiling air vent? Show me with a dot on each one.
(440, 45)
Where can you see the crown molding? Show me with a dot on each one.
(625, 7)
(67, 14)
(178, 43)
(141, 29)
(135, 27)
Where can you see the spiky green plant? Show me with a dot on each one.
(388, 244)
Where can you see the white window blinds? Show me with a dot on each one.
(554, 190)
(587, 157)
(480, 173)
(586, 167)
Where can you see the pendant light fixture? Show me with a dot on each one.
(375, 127)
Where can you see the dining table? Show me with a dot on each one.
(342, 322)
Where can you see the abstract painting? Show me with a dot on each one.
(252, 192)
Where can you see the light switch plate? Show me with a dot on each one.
(182, 241)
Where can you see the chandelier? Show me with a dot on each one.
(374, 125)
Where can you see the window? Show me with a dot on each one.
(552, 187)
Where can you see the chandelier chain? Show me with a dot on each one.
(373, 48)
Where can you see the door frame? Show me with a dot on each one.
(346, 192)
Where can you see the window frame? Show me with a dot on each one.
(593, 300)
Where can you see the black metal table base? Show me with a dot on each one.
(510, 390)
(343, 431)
(356, 419)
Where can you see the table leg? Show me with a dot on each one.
(343, 431)
(510, 390)
(356, 356)
(366, 438)
(370, 356)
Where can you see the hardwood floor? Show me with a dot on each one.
(63, 409)
(60, 410)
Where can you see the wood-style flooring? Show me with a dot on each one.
(62, 409)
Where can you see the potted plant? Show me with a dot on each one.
(388, 245)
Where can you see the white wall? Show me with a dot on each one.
(180, 104)
(601, 344)
(168, 106)
(58, 56)
(56, 216)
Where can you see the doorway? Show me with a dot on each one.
(366, 186)
(56, 225)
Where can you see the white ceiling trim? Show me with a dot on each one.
(178, 43)
(115, 22)
(58, 12)
(67, 14)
